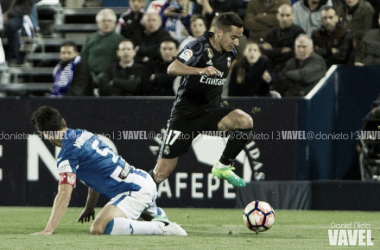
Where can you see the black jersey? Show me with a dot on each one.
(198, 95)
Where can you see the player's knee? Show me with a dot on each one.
(244, 121)
(96, 229)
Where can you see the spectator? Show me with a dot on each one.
(160, 83)
(209, 8)
(333, 41)
(357, 15)
(303, 71)
(368, 52)
(197, 27)
(252, 74)
(175, 15)
(376, 7)
(261, 16)
(99, 50)
(124, 77)
(338, 5)
(13, 12)
(279, 41)
(130, 21)
(149, 39)
(34, 18)
(308, 14)
(71, 75)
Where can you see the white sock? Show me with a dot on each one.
(221, 165)
(124, 226)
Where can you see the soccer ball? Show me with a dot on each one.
(258, 216)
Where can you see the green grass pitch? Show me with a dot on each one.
(207, 229)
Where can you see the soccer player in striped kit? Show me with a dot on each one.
(132, 192)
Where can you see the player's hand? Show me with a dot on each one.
(86, 215)
(210, 71)
(42, 233)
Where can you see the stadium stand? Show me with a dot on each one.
(70, 28)
(51, 44)
(25, 88)
(35, 58)
(57, 25)
(81, 15)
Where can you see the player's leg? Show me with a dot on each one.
(153, 212)
(164, 168)
(111, 220)
(241, 125)
(177, 140)
(108, 213)
(119, 216)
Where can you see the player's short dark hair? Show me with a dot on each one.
(128, 40)
(70, 44)
(228, 19)
(47, 118)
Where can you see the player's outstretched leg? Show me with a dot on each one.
(222, 171)
(124, 226)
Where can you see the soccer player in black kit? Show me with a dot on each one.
(204, 65)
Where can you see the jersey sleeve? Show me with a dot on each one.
(67, 172)
(192, 53)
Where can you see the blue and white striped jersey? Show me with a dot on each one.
(97, 165)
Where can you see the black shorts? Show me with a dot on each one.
(180, 133)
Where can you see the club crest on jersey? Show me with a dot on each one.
(210, 54)
(166, 150)
(228, 62)
(186, 55)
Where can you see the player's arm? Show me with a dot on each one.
(89, 209)
(61, 203)
(178, 68)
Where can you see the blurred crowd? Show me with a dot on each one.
(287, 46)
